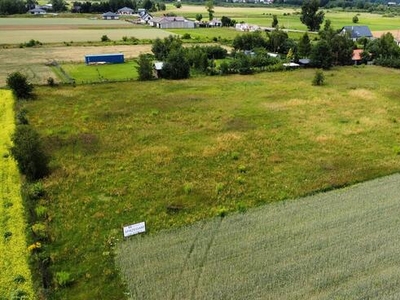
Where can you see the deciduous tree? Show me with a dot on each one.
(310, 16)
(19, 84)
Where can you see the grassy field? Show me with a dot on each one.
(339, 245)
(83, 73)
(32, 61)
(289, 17)
(174, 152)
(15, 279)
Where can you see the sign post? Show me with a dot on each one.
(134, 229)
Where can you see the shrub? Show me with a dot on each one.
(186, 36)
(188, 188)
(319, 78)
(51, 81)
(105, 38)
(20, 85)
(40, 231)
(21, 117)
(41, 212)
(34, 191)
(28, 151)
(63, 279)
(222, 212)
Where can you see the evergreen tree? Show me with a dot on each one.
(274, 21)
(321, 55)
(304, 46)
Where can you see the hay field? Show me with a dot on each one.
(343, 244)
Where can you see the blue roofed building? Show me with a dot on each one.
(356, 32)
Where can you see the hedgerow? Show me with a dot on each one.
(15, 278)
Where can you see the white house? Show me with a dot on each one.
(171, 22)
(37, 11)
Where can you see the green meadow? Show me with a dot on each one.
(83, 73)
(175, 152)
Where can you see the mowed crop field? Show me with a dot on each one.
(343, 244)
(175, 152)
(15, 278)
(60, 35)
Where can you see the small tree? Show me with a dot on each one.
(176, 65)
(321, 55)
(145, 67)
(319, 78)
(210, 9)
(355, 19)
(199, 17)
(28, 151)
(105, 38)
(20, 86)
(274, 21)
(304, 46)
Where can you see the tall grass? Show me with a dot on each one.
(174, 152)
(15, 278)
(339, 245)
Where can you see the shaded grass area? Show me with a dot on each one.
(340, 245)
(15, 278)
(83, 73)
(174, 152)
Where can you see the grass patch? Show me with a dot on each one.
(174, 152)
(15, 279)
(83, 73)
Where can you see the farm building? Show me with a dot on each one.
(125, 11)
(37, 11)
(112, 58)
(356, 32)
(171, 22)
(145, 17)
(110, 16)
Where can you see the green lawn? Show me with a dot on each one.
(83, 73)
(339, 245)
(174, 152)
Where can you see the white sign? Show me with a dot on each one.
(134, 229)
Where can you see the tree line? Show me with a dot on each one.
(12, 7)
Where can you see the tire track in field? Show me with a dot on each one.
(187, 258)
(204, 259)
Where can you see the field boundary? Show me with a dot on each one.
(15, 279)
